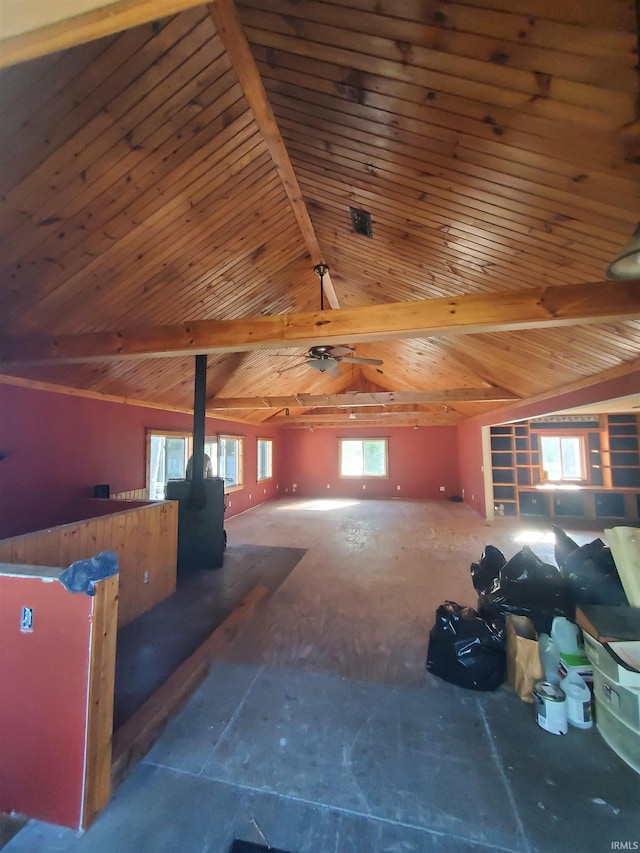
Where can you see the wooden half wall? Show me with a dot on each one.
(144, 538)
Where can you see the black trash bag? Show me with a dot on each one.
(527, 586)
(526, 567)
(487, 570)
(591, 573)
(564, 545)
(465, 649)
(541, 608)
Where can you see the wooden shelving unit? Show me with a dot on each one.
(527, 456)
(612, 491)
(624, 459)
(503, 466)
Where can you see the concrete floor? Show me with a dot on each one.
(339, 742)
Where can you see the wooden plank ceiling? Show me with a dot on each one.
(148, 179)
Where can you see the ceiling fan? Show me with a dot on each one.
(325, 359)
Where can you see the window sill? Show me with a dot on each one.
(565, 487)
(363, 477)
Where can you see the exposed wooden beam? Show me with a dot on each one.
(36, 385)
(237, 47)
(107, 19)
(387, 419)
(359, 417)
(533, 308)
(355, 399)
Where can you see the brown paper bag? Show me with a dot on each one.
(524, 667)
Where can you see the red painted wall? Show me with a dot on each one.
(58, 446)
(43, 678)
(470, 432)
(420, 461)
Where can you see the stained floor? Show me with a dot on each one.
(322, 733)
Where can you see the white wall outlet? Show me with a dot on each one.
(463, 493)
(249, 495)
(442, 488)
(286, 489)
(146, 577)
(265, 491)
(398, 488)
(328, 485)
(228, 503)
(363, 486)
(294, 485)
(473, 497)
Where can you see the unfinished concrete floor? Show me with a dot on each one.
(322, 733)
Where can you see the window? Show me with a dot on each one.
(230, 460)
(167, 455)
(169, 452)
(265, 459)
(562, 457)
(363, 457)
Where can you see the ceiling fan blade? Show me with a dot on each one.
(342, 350)
(293, 366)
(354, 359)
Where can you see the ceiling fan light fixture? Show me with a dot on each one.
(626, 265)
(352, 416)
(326, 359)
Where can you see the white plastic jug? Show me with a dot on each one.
(549, 657)
(578, 701)
(565, 636)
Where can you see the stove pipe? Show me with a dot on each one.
(199, 405)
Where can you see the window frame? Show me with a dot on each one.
(364, 476)
(240, 439)
(582, 443)
(151, 432)
(268, 476)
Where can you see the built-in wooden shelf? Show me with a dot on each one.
(610, 491)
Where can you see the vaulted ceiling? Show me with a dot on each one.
(194, 170)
